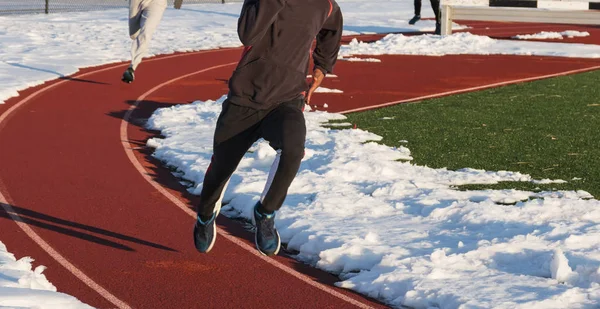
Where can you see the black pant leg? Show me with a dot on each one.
(417, 7)
(285, 130)
(237, 129)
(435, 4)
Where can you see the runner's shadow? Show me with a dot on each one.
(60, 76)
(82, 80)
(66, 227)
(156, 168)
(165, 176)
(139, 117)
(239, 229)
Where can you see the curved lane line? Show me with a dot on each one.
(117, 302)
(127, 147)
(9, 111)
(61, 259)
(35, 236)
(441, 94)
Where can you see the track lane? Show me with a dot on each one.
(128, 232)
(68, 172)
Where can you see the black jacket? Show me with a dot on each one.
(278, 37)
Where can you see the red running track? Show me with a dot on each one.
(67, 177)
(506, 30)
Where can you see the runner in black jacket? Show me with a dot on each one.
(267, 93)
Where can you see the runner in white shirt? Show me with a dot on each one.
(144, 17)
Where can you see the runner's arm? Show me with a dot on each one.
(328, 41)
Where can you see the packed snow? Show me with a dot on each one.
(390, 229)
(358, 59)
(24, 287)
(403, 233)
(547, 5)
(465, 43)
(552, 35)
(327, 90)
(326, 76)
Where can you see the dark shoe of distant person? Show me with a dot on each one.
(414, 20)
(128, 75)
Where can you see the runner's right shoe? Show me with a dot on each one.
(205, 234)
(128, 75)
(266, 238)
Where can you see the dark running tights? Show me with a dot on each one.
(238, 127)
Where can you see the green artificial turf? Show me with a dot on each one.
(548, 129)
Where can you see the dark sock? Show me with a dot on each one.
(205, 218)
(262, 210)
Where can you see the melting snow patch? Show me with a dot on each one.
(551, 35)
(560, 267)
(356, 59)
(327, 90)
(464, 43)
(548, 181)
(21, 286)
(400, 232)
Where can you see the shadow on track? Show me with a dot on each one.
(73, 229)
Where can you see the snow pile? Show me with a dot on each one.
(22, 287)
(328, 75)
(401, 232)
(357, 59)
(551, 35)
(327, 90)
(464, 43)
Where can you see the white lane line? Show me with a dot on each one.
(120, 304)
(127, 147)
(60, 258)
(19, 104)
(441, 94)
(29, 231)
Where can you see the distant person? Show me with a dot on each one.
(267, 94)
(144, 16)
(435, 5)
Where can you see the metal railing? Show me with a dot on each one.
(8, 7)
